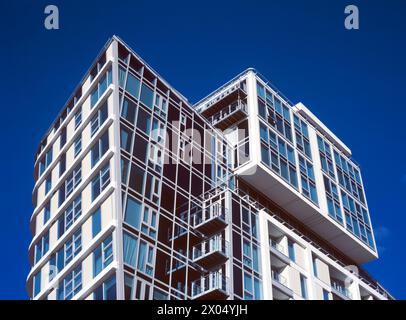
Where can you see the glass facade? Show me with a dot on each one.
(147, 198)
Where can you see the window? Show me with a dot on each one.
(247, 253)
(77, 146)
(278, 155)
(302, 136)
(100, 148)
(255, 258)
(315, 273)
(48, 183)
(159, 295)
(303, 286)
(149, 221)
(128, 286)
(291, 250)
(308, 180)
(100, 182)
(121, 76)
(326, 295)
(62, 137)
(96, 222)
(62, 164)
(42, 247)
(144, 121)
(128, 110)
(126, 139)
(100, 88)
(107, 290)
(98, 119)
(78, 118)
(133, 213)
(146, 258)
(71, 214)
(161, 105)
(147, 96)
(45, 162)
(103, 255)
(71, 182)
(70, 285)
(133, 85)
(37, 284)
(130, 249)
(66, 253)
(248, 288)
(47, 213)
(326, 157)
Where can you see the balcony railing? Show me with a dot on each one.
(226, 112)
(214, 212)
(214, 282)
(279, 278)
(339, 288)
(215, 245)
(277, 246)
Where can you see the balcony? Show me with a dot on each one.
(210, 253)
(280, 289)
(210, 220)
(278, 252)
(340, 290)
(213, 286)
(229, 115)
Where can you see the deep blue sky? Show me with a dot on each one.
(354, 81)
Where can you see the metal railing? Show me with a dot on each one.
(279, 278)
(210, 282)
(341, 289)
(214, 244)
(225, 112)
(277, 246)
(215, 210)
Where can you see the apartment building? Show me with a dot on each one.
(140, 194)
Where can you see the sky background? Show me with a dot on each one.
(354, 81)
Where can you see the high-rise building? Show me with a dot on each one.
(141, 195)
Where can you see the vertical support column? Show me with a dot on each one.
(354, 289)
(318, 173)
(309, 274)
(116, 177)
(265, 256)
(228, 238)
(253, 124)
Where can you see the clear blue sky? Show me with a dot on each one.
(354, 81)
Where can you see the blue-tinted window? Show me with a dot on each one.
(103, 255)
(48, 184)
(107, 290)
(257, 289)
(37, 283)
(303, 286)
(47, 213)
(291, 250)
(96, 222)
(147, 96)
(100, 148)
(133, 213)
(133, 85)
(130, 249)
(121, 77)
(100, 182)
